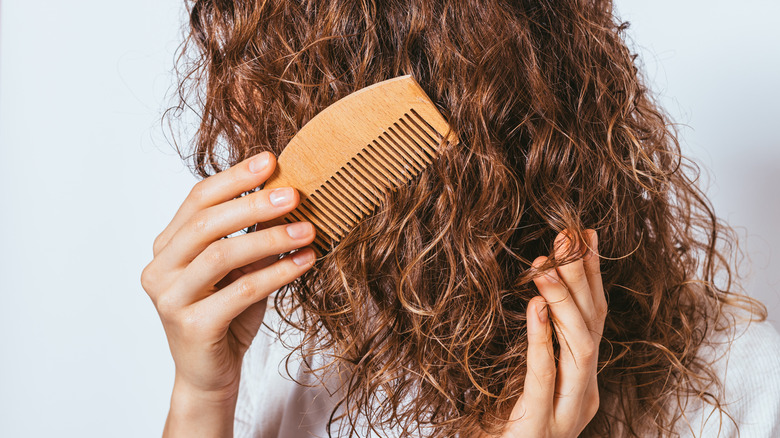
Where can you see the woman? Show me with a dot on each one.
(559, 274)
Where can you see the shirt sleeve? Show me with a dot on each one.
(747, 360)
(270, 403)
(258, 384)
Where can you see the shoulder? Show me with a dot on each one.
(746, 358)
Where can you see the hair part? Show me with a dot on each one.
(422, 305)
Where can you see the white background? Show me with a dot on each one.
(88, 180)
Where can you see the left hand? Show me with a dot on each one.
(559, 403)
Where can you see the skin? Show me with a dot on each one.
(560, 401)
(211, 295)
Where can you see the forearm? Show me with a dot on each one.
(194, 413)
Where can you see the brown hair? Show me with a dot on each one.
(423, 303)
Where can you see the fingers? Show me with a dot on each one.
(569, 324)
(583, 279)
(221, 220)
(224, 186)
(575, 295)
(224, 256)
(569, 310)
(576, 281)
(539, 384)
(562, 400)
(251, 288)
(593, 273)
(591, 266)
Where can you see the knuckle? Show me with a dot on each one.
(191, 323)
(258, 202)
(246, 288)
(148, 278)
(592, 403)
(594, 321)
(158, 244)
(200, 223)
(577, 274)
(588, 351)
(216, 255)
(546, 375)
(167, 306)
(284, 271)
(198, 193)
(539, 344)
(601, 311)
(271, 238)
(589, 345)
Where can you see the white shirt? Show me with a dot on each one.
(271, 405)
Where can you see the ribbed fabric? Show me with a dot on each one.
(271, 405)
(750, 372)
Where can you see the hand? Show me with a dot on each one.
(211, 292)
(559, 403)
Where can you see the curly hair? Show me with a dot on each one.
(422, 305)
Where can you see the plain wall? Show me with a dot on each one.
(89, 180)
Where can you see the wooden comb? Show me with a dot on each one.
(345, 159)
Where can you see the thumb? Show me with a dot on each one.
(539, 386)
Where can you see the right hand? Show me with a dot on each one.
(211, 293)
(560, 399)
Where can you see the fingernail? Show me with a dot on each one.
(281, 196)
(299, 230)
(543, 314)
(303, 257)
(259, 162)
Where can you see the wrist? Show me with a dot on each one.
(214, 397)
(198, 412)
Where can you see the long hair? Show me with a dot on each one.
(421, 307)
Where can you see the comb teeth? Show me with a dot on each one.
(346, 159)
(397, 155)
